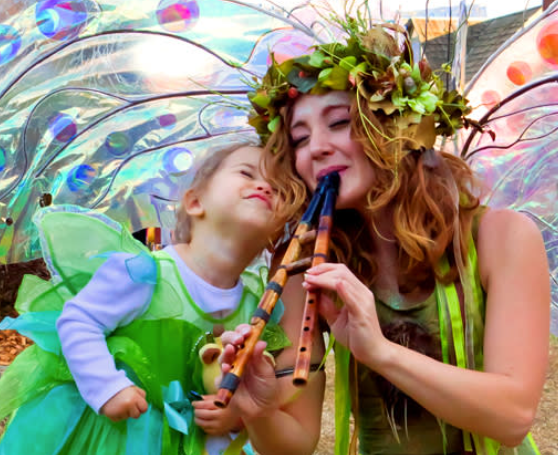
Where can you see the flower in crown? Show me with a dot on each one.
(376, 66)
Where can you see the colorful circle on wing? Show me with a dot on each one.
(61, 19)
(2, 159)
(80, 177)
(490, 98)
(177, 159)
(117, 143)
(167, 121)
(519, 72)
(10, 42)
(289, 46)
(62, 127)
(178, 16)
(547, 43)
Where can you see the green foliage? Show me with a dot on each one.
(372, 62)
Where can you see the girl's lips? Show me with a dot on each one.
(328, 170)
(263, 198)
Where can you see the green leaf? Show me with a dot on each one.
(360, 68)
(261, 100)
(303, 83)
(338, 79)
(429, 101)
(348, 63)
(324, 74)
(415, 74)
(416, 106)
(317, 59)
(273, 124)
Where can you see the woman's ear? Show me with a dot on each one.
(192, 204)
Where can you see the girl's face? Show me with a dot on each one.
(320, 132)
(238, 193)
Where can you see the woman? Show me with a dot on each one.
(441, 304)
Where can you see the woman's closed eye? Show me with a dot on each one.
(340, 123)
(246, 173)
(297, 142)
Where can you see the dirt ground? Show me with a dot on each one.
(545, 429)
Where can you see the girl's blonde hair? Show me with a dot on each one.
(428, 192)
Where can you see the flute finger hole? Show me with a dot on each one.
(303, 349)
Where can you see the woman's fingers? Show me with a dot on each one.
(237, 336)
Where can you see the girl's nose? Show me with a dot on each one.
(265, 187)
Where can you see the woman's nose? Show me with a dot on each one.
(319, 145)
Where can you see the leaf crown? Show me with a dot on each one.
(378, 68)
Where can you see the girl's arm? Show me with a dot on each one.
(499, 402)
(280, 418)
(109, 300)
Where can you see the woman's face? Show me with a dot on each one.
(320, 132)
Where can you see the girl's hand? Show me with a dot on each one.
(214, 420)
(257, 391)
(355, 325)
(129, 402)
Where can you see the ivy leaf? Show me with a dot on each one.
(302, 82)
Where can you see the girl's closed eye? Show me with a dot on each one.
(246, 173)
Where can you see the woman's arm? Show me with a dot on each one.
(501, 401)
(280, 418)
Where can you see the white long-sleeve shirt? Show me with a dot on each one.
(110, 300)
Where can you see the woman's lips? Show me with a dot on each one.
(329, 170)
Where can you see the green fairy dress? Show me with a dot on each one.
(158, 351)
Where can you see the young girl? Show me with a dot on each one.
(130, 335)
(439, 306)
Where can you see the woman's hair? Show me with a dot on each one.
(203, 173)
(428, 192)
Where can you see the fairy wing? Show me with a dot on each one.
(515, 100)
(105, 104)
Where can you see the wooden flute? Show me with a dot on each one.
(324, 197)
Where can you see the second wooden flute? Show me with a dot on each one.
(273, 291)
(321, 251)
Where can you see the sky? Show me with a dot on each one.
(494, 8)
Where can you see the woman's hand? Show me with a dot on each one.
(214, 420)
(355, 325)
(129, 402)
(257, 391)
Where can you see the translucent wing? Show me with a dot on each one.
(516, 153)
(106, 103)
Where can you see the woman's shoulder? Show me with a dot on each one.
(498, 224)
(506, 236)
